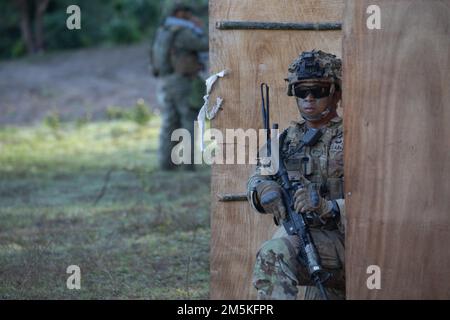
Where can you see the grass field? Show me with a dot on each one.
(90, 194)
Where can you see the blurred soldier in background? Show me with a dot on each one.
(177, 52)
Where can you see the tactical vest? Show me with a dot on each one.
(321, 164)
(184, 61)
(161, 52)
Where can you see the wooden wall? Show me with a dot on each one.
(397, 148)
(254, 56)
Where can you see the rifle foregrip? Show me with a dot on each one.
(312, 258)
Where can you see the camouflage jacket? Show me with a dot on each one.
(321, 164)
(186, 47)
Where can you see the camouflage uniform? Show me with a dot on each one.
(180, 94)
(278, 272)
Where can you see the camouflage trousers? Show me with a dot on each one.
(278, 273)
(180, 99)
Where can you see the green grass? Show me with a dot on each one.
(91, 195)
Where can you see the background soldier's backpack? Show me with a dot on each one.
(160, 57)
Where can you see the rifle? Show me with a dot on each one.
(295, 223)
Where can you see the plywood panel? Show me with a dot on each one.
(254, 57)
(397, 148)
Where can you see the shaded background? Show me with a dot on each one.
(79, 182)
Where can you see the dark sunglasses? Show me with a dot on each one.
(317, 91)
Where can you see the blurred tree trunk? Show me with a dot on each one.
(25, 25)
(41, 7)
(33, 38)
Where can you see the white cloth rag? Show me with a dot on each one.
(204, 111)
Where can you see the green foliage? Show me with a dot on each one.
(116, 113)
(11, 44)
(102, 21)
(117, 21)
(18, 49)
(140, 113)
(123, 31)
(53, 121)
(83, 120)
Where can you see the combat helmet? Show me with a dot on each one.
(180, 6)
(315, 66)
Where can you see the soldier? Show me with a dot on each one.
(314, 79)
(176, 54)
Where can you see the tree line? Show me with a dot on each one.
(35, 26)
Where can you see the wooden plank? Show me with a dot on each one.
(397, 159)
(257, 25)
(253, 56)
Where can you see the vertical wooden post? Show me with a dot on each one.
(397, 148)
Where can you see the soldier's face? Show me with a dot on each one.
(182, 14)
(187, 15)
(314, 98)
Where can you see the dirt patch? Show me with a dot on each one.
(75, 84)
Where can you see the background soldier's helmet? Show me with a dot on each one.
(180, 6)
(315, 65)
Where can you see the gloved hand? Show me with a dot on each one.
(270, 198)
(307, 199)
